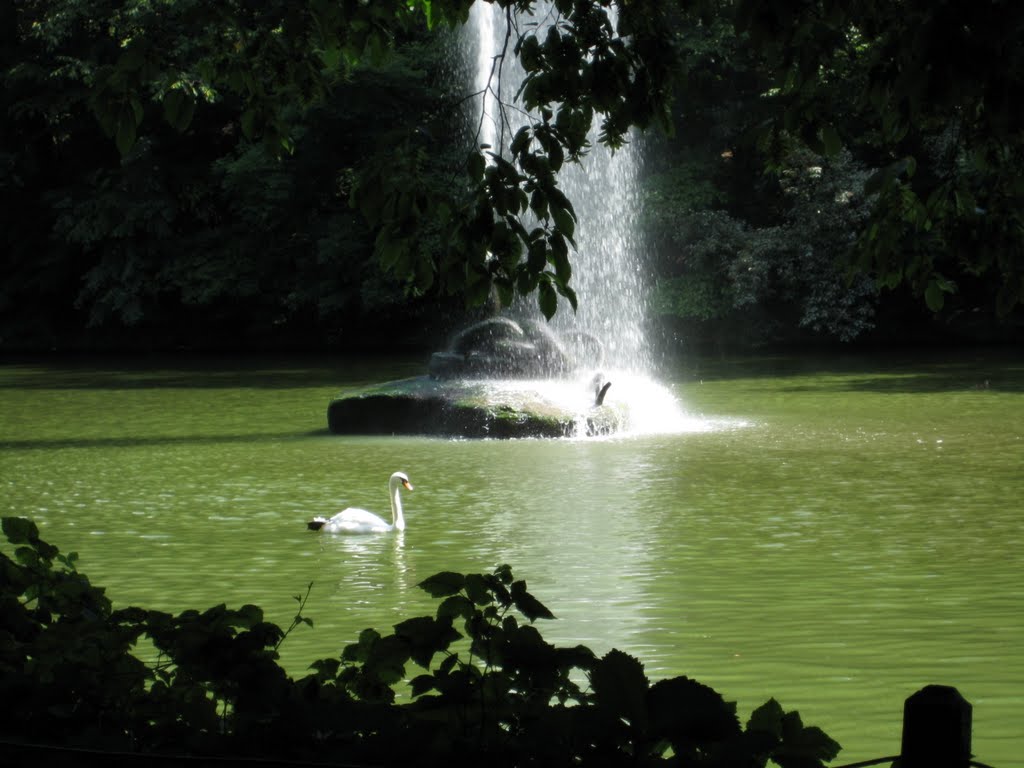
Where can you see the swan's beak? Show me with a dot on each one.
(407, 484)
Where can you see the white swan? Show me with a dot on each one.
(355, 520)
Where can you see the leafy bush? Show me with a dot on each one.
(719, 267)
(500, 694)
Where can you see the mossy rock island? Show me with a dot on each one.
(498, 378)
(475, 408)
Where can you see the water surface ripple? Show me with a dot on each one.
(840, 534)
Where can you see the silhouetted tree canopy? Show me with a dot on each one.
(247, 159)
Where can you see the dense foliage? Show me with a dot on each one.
(179, 173)
(199, 232)
(72, 668)
(828, 166)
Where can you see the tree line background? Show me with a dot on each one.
(175, 224)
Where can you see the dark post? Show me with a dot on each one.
(936, 729)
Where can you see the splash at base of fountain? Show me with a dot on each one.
(512, 408)
(505, 379)
(633, 405)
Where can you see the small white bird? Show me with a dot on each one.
(355, 520)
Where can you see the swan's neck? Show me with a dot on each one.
(397, 519)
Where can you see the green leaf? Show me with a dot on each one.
(26, 556)
(521, 140)
(425, 636)
(1007, 297)
(527, 604)
(173, 100)
(767, 719)
(476, 589)
(360, 651)
(477, 289)
(934, 296)
(539, 204)
(570, 295)
(448, 664)
(443, 584)
(137, 110)
(179, 107)
(125, 137)
(422, 683)
(563, 270)
(249, 615)
(620, 684)
(133, 57)
(555, 156)
(537, 256)
(248, 122)
(563, 220)
(326, 669)
(683, 711)
(830, 140)
(547, 299)
(506, 291)
(803, 747)
(330, 56)
(475, 166)
(456, 605)
(559, 249)
(387, 658)
(876, 181)
(781, 737)
(68, 560)
(20, 530)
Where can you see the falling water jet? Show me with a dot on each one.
(517, 375)
(608, 274)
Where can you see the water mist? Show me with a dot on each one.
(608, 265)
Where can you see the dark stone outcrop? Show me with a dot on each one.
(500, 347)
(463, 396)
(424, 405)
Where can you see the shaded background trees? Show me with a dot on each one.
(200, 236)
(836, 171)
(827, 180)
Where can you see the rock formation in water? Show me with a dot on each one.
(500, 347)
(424, 405)
(458, 397)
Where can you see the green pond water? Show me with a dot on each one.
(835, 533)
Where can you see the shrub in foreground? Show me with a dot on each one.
(484, 685)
